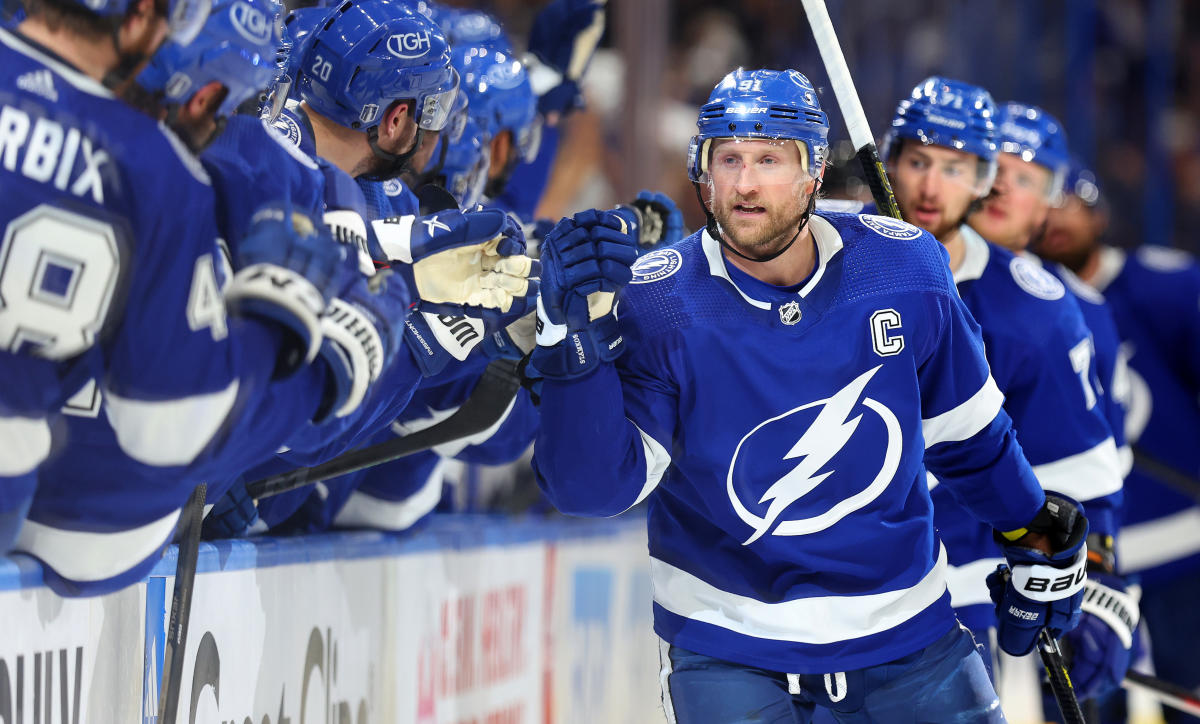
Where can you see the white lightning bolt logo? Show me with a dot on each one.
(827, 435)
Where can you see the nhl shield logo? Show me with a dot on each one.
(789, 313)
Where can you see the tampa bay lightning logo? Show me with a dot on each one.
(393, 187)
(288, 126)
(1035, 280)
(810, 457)
(504, 75)
(656, 266)
(889, 227)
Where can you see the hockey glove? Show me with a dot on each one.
(288, 269)
(656, 218)
(233, 516)
(514, 341)
(470, 274)
(563, 40)
(1102, 647)
(585, 262)
(362, 330)
(1039, 590)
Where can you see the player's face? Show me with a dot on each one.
(1072, 232)
(934, 186)
(1017, 206)
(759, 190)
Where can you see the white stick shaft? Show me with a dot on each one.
(1163, 697)
(839, 73)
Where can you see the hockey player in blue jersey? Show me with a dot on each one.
(1032, 165)
(1153, 292)
(775, 386)
(941, 153)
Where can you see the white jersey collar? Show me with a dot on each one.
(975, 255)
(828, 241)
(1112, 263)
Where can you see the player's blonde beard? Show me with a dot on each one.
(781, 226)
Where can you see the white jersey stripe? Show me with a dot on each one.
(367, 511)
(24, 444)
(657, 460)
(815, 620)
(968, 583)
(91, 556)
(966, 420)
(1159, 541)
(168, 432)
(1084, 476)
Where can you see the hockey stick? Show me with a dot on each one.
(1164, 692)
(483, 409)
(1060, 681)
(851, 107)
(1167, 474)
(181, 605)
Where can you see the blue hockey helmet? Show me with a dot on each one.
(236, 47)
(952, 114)
(762, 104)
(464, 26)
(184, 17)
(1081, 183)
(1036, 137)
(465, 165)
(499, 96)
(367, 55)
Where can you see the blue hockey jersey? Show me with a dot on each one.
(782, 437)
(1155, 297)
(135, 285)
(1042, 358)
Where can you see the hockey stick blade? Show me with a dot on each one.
(181, 605)
(1164, 692)
(1060, 680)
(851, 107)
(483, 409)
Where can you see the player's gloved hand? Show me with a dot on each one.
(470, 274)
(234, 515)
(563, 40)
(288, 270)
(1036, 589)
(1100, 649)
(656, 218)
(362, 330)
(585, 261)
(514, 341)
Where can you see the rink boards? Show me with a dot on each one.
(471, 620)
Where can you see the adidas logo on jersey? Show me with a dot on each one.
(39, 82)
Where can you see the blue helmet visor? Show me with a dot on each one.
(438, 106)
(761, 161)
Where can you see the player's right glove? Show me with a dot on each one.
(658, 221)
(586, 260)
(288, 270)
(1036, 589)
(470, 274)
(234, 515)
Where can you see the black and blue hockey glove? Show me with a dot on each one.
(1039, 590)
(657, 219)
(563, 40)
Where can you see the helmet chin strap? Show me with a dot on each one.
(714, 229)
(397, 162)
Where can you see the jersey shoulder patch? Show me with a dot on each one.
(288, 127)
(1163, 258)
(889, 227)
(656, 266)
(1035, 280)
(289, 144)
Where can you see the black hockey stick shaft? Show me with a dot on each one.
(851, 107)
(484, 408)
(181, 605)
(1172, 695)
(1060, 680)
(1167, 474)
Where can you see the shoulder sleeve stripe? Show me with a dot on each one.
(168, 432)
(1084, 476)
(968, 582)
(657, 460)
(94, 556)
(24, 444)
(964, 421)
(367, 511)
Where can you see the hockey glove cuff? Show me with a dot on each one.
(1100, 648)
(1036, 589)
